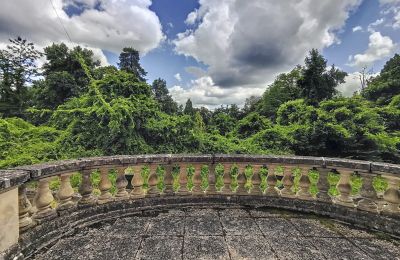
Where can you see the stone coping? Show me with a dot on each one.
(19, 175)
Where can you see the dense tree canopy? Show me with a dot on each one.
(80, 109)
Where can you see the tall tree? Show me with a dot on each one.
(129, 60)
(189, 110)
(161, 94)
(17, 67)
(317, 83)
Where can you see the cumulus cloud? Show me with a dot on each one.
(357, 28)
(379, 47)
(102, 25)
(178, 77)
(246, 45)
(203, 92)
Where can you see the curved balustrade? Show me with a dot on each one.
(299, 183)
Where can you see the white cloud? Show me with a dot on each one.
(357, 28)
(191, 18)
(203, 92)
(353, 83)
(246, 45)
(115, 25)
(178, 77)
(372, 26)
(379, 47)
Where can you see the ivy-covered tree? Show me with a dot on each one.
(129, 60)
(17, 67)
(386, 85)
(316, 82)
(60, 58)
(283, 89)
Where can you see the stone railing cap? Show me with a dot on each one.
(347, 163)
(56, 167)
(385, 168)
(12, 178)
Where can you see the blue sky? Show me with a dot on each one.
(216, 51)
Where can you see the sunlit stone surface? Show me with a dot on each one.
(217, 233)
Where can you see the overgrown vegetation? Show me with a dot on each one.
(77, 108)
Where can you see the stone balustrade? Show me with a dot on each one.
(302, 183)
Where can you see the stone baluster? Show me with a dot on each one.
(241, 179)
(211, 179)
(168, 180)
(287, 182)
(304, 184)
(137, 182)
(121, 184)
(227, 179)
(368, 193)
(86, 189)
(24, 207)
(153, 180)
(65, 192)
(256, 179)
(323, 185)
(344, 188)
(183, 190)
(392, 195)
(197, 179)
(271, 182)
(43, 200)
(104, 187)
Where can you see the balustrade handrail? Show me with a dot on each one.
(267, 176)
(16, 176)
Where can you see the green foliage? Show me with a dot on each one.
(316, 82)
(189, 110)
(163, 130)
(252, 124)
(386, 85)
(22, 143)
(190, 173)
(234, 173)
(176, 178)
(145, 174)
(164, 99)
(160, 171)
(263, 177)
(219, 177)
(80, 109)
(248, 173)
(282, 90)
(204, 177)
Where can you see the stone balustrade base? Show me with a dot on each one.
(40, 236)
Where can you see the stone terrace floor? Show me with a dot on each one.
(210, 233)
